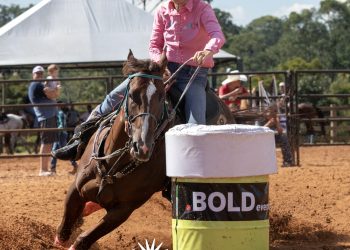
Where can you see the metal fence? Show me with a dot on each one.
(293, 97)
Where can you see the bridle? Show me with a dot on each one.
(131, 118)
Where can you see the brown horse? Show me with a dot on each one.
(307, 111)
(124, 164)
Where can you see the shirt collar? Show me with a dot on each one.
(188, 6)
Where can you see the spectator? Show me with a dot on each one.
(46, 117)
(73, 118)
(282, 88)
(52, 88)
(62, 140)
(84, 116)
(192, 34)
(231, 89)
(282, 102)
(273, 123)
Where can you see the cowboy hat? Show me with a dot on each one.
(233, 78)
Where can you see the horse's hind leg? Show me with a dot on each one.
(73, 208)
(114, 217)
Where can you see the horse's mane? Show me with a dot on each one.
(134, 65)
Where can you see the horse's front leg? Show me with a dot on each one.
(115, 216)
(8, 144)
(73, 208)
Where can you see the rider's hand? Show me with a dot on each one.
(166, 76)
(200, 56)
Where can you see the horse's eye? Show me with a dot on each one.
(135, 97)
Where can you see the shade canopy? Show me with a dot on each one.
(78, 31)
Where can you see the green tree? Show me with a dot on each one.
(7, 13)
(228, 27)
(304, 37)
(341, 85)
(253, 43)
(309, 83)
(337, 17)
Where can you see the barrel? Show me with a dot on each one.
(220, 184)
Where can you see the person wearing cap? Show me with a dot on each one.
(232, 88)
(46, 117)
(282, 104)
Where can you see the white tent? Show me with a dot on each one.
(77, 31)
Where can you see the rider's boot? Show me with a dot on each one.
(82, 133)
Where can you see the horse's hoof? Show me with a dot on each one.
(59, 243)
(91, 207)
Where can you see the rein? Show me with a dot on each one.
(131, 119)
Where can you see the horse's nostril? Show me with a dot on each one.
(134, 145)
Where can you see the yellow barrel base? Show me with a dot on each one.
(220, 235)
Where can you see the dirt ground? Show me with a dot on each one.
(310, 206)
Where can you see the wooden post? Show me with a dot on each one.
(333, 124)
(3, 96)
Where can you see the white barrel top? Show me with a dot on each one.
(220, 151)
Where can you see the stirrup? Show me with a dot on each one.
(68, 152)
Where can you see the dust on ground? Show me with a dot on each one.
(310, 206)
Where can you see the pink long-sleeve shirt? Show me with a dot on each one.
(194, 28)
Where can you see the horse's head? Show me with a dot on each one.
(144, 104)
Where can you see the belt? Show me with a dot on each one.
(184, 68)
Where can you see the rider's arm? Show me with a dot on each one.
(156, 44)
(217, 38)
(232, 95)
(212, 26)
(270, 123)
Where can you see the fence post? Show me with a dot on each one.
(333, 124)
(3, 96)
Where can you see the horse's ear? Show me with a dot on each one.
(130, 55)
(127, 65)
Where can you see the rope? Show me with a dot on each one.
(175, 73)
(173, 112)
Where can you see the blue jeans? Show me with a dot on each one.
(282, 139)
(62, 141)
(113, 99)
(195, 97)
